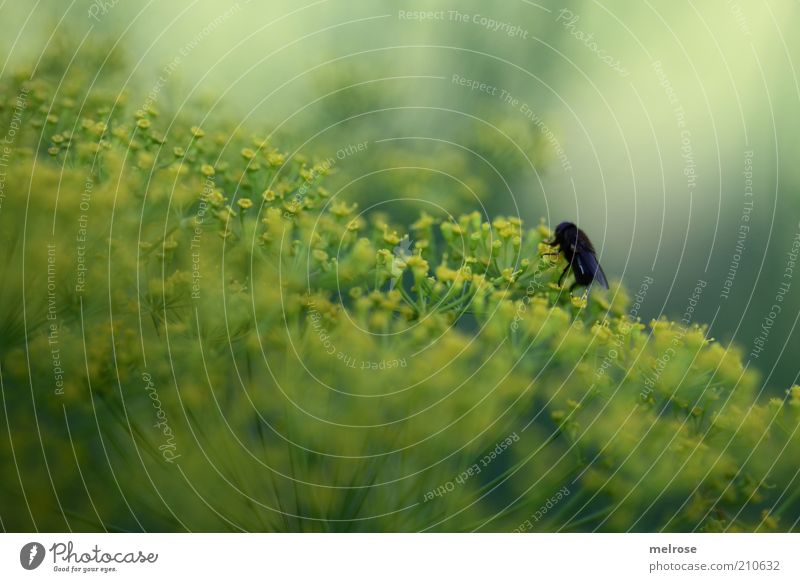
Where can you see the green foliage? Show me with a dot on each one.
(242, 350)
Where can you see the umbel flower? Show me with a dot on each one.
(320, 369)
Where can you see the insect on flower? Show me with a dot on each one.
(580, 255)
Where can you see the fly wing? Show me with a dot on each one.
(586, 262)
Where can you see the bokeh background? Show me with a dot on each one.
(327, 74)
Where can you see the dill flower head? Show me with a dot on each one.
(579, 301)
(474, 342)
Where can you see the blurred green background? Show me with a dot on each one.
(331, 73)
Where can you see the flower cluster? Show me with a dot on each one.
(322, 368)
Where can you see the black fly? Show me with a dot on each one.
(577, 249)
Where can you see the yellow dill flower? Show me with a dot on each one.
(276, 159)
(579, 301)
(545, 249)
(145, 160)
(379, 320)
(418, 265)
(216, 198)
(769, 522)
(292, 206)
(794, 396)
(207, 170)
(223, 214)
(695, 338)
(321, 169)
(391, 237)
(449, 229)
(660, 325)
(474, 240)
(507, 232)
(143, 123)
(197, 132)
(244, 203)
(775, 404)
(268, 195)
(473, 219)
(341, 209)
(500, 224)
(424, 221)
(397, 267)
(355, 224)
(383, 257)
(248, 154)
(444, 273)
(178, 169)
(91, 148)
(544, 232)
(601, 332)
